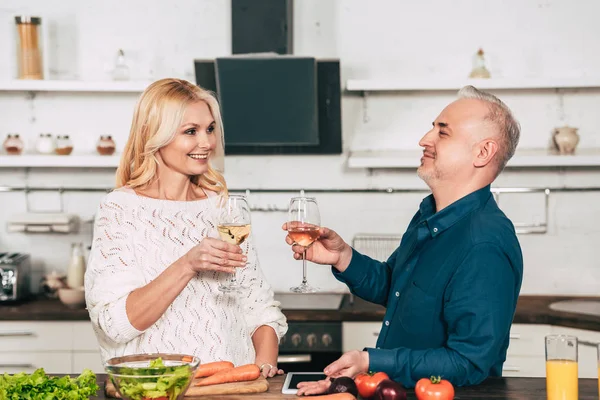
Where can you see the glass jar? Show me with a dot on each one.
(64, 147)
(45, 144)
(29, 59)
(106, 146)
(13, 144)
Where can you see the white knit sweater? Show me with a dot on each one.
(135, 239)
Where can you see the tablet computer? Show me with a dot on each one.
(293, 378)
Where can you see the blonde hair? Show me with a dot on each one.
(158, 114)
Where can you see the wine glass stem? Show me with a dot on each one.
(233, 281)
(304, 268)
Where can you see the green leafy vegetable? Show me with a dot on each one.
(156, 381)
(39, 386)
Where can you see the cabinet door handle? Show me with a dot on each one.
(376, 334)
(509, 368)
(16, 366)
(16, 334)
(515, 336)
(300, 358)
(586, 343)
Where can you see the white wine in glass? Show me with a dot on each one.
(303, 227)
(233, 225)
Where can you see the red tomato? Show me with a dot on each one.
(156, 398)
(434, 388)
(367, 383)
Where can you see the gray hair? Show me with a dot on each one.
(501, 116)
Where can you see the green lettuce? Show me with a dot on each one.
(167, 382)
(39, 386)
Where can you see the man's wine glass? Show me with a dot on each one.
(303, 227)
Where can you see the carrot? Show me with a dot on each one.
(212, 368)
(248, 372)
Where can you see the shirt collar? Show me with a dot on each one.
(440, 221)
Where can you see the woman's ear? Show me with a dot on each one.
(485, 152)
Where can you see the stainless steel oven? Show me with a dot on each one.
(310, 346)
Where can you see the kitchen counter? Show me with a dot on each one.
(493, 388)
(530, 310)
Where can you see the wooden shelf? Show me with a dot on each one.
(526, 158)
(399, 85)
(56, 161)
(73, 86)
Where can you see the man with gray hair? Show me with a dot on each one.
(451, 288)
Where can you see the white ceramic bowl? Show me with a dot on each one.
(72, 298)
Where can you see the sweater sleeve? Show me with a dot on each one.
(260, 307)
(112, 272)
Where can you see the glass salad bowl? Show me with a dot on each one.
(157, 376)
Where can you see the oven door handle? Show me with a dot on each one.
(299, 358)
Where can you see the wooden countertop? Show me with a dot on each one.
(493, 388)
(530, 310)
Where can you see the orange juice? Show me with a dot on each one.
(561, 380)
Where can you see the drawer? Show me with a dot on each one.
(89, 360)
(358, 335)
(528, 340)
(52, 362)
(525, 366)
(34, 336)
(84, 338)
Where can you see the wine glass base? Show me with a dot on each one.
(304, 288)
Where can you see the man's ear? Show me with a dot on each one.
(485, 152)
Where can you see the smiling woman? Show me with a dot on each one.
(195, 112)
(156, 263)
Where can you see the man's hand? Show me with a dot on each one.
(328, 249)
(349, 364)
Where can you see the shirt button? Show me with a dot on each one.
(397, 294)
(435, 229)
(387, 323)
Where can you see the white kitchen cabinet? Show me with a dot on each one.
(526, 353)
(57, 346)
(358, 335)
(588, 356)
(32, 336)
(52, 362)
(84, 338)
(89, 360)
(528, 339)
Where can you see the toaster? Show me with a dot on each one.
(15, 276)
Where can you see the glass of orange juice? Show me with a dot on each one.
(598, 370)
(561, 368)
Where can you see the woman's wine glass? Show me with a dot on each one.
(233, 224)
(303, 227)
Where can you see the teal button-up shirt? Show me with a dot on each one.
(450, 290)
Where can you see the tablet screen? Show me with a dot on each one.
(298, 377)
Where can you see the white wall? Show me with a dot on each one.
(547, 38)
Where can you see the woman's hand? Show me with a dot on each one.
(215, 255)
(328, 249)
(269, 370)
